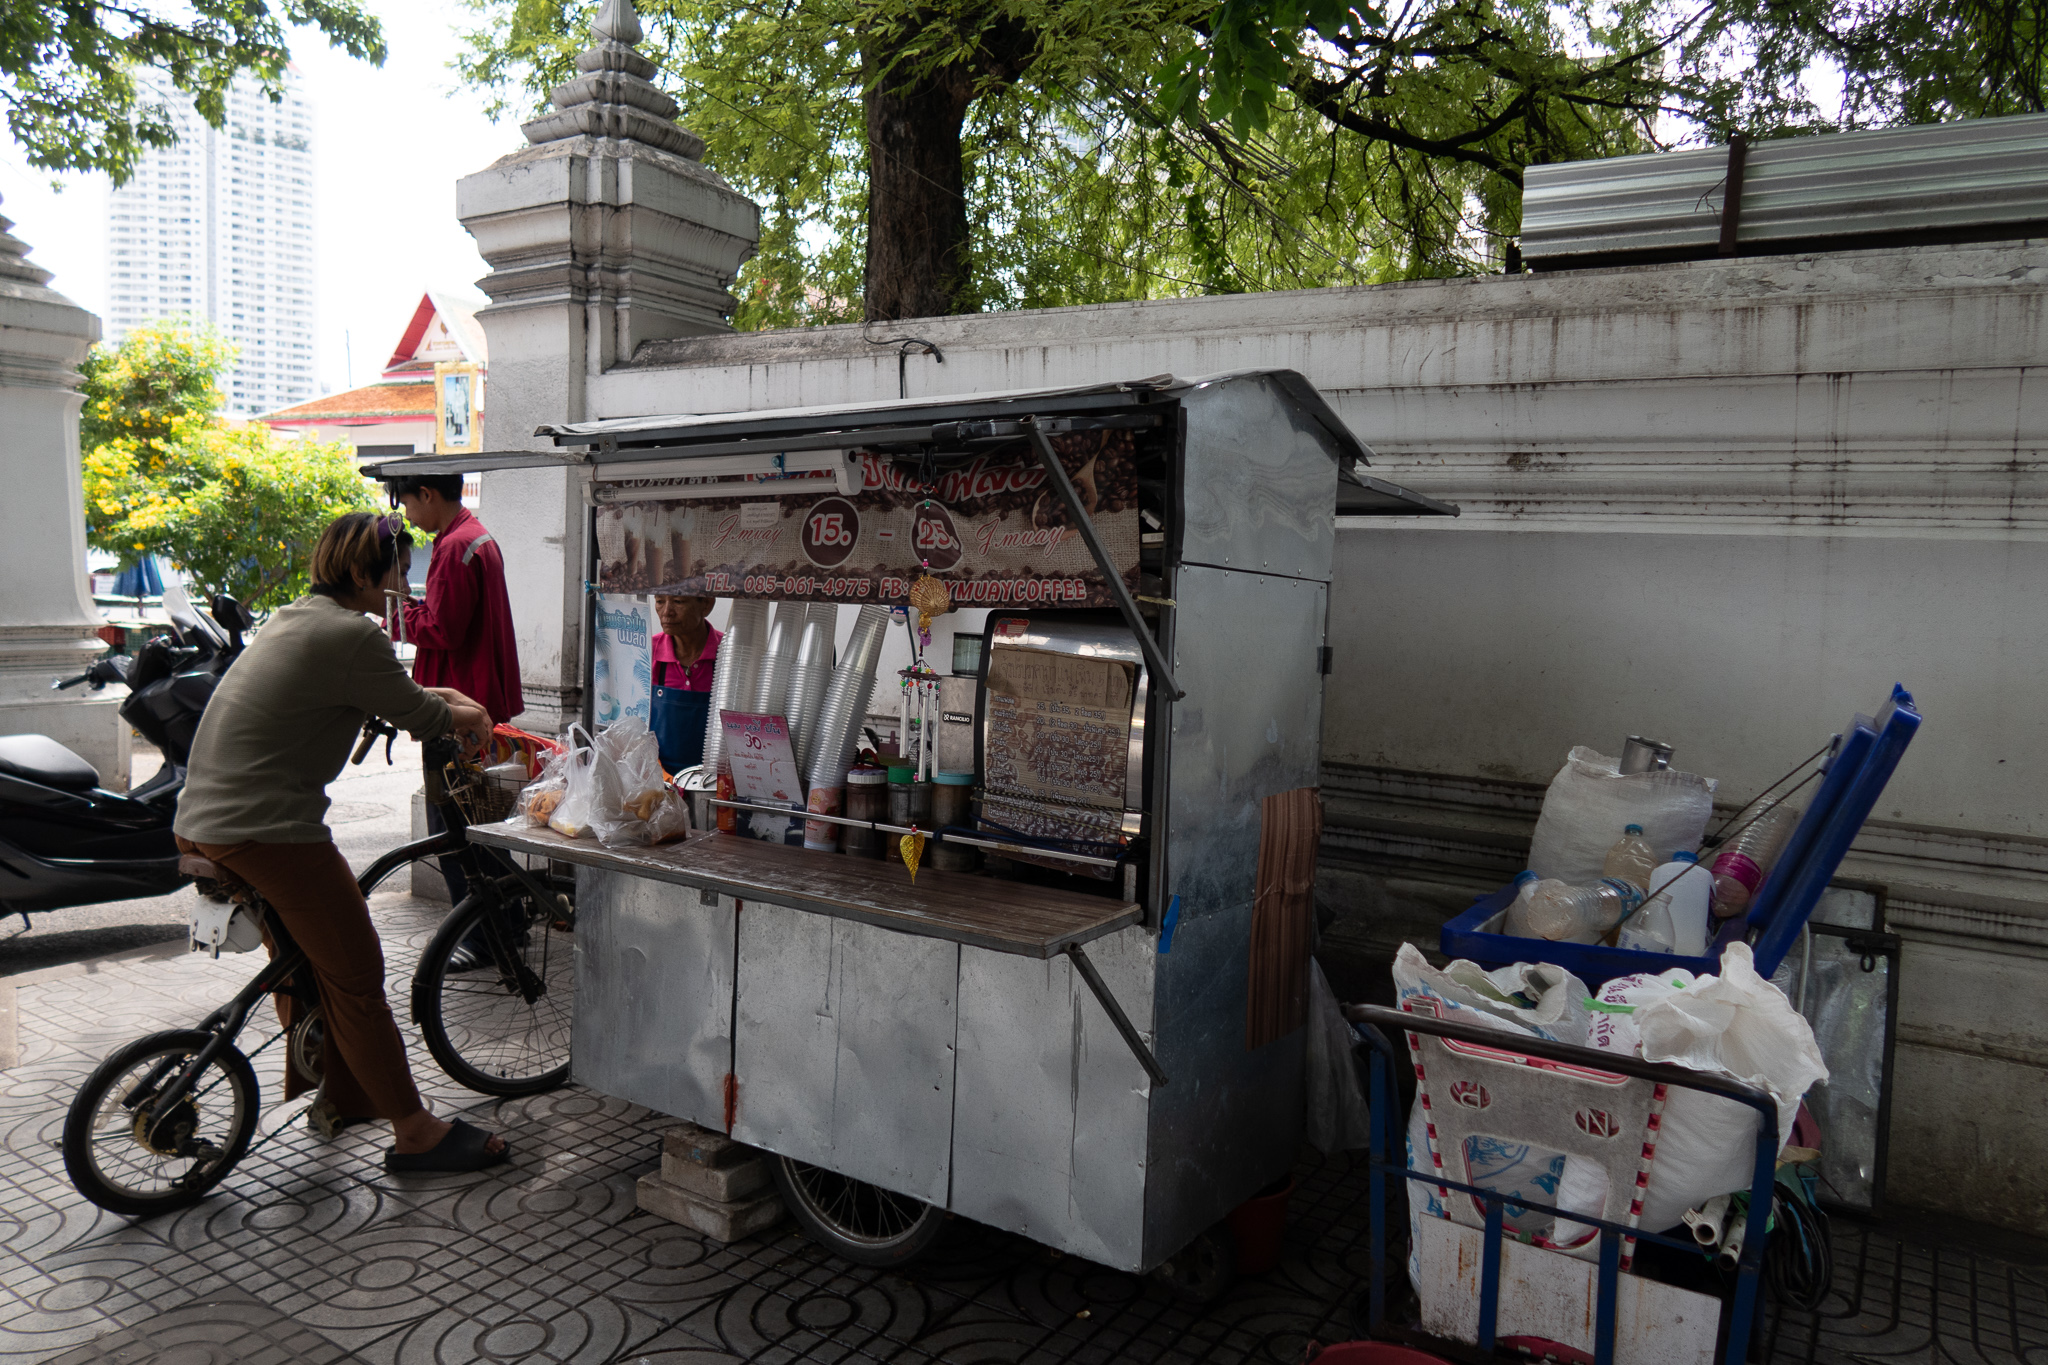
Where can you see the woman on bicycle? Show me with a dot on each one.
(277, 731)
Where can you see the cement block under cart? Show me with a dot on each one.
(710, 1183)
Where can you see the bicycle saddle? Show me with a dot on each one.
(205, 869)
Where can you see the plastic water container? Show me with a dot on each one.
(1740, 868)
(1631, 858)
(1573, 914)
(1683, 890)
(1649, 930)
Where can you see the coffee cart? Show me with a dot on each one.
(1096, 1040)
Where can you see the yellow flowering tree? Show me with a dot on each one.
(233, 506)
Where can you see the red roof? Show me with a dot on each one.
(460, 320)
(372, 401)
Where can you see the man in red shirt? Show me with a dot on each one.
(463, 629)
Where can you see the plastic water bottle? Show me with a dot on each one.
(1681, 891)
(1576, 914)
(1741, 866)
(1631, 858)
(1516, 922)
(1649, 930)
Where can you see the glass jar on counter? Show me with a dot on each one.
(867, 798)
(952, 807)
(910, 801)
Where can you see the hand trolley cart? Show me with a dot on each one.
(1568, 1292)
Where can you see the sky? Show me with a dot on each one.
(389, 144)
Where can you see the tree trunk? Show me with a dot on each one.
(918, 263)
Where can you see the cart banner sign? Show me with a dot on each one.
(991, 529)
(621, 666)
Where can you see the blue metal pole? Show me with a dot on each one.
(1610, 1293)
(1381, 1126)
(1749, 1267)
(1489, 1273)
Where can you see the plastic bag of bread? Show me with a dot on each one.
(538, 798)
(631, 802)
(571, 815)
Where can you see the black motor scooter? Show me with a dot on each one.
(65, 841)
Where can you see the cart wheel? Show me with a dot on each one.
(860, 1222)
(1202, 1271)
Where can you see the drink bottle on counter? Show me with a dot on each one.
(1573, 914)
(1741, 866)
(1674, 919)
(1631, 858)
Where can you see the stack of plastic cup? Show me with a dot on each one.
(770, 690)
(835, 737)
(739, 660)
(811, 675)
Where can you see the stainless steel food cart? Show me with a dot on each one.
(1077, 1058)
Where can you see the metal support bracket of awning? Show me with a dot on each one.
(1116, 1014)
(1056, 474)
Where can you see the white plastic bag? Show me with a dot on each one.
(631, 802)
(1736, 1024)
(1469, 994)
(1558, 1011)
(571, 815)
(1589, 803)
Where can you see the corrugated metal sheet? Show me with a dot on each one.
(1949, 177)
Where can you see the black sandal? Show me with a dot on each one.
(463, 1149)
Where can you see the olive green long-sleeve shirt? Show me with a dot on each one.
(282, 721)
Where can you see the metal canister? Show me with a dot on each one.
(1641, 755)
(951, 808)
(867, 798)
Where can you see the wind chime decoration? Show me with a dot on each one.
(911, 846)
(929, 598)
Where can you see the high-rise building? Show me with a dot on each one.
(220, 228)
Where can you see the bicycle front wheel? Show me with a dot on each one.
(502, 1027)
(130, 1155)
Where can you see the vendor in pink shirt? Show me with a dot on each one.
(685, 656)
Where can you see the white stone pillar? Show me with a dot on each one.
(604, 233)
(47, 619)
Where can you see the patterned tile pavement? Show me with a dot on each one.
(311, 1252)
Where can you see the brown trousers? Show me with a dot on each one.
(314, 893)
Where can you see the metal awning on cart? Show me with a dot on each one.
(803, 439)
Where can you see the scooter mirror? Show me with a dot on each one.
(234, 618)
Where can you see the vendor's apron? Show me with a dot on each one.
(678, 719)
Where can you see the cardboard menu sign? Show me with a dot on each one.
(763, 767)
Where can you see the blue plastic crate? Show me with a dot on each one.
(1857, 771)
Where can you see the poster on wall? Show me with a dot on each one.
(458, 408)
(622, 664)
(991, 528)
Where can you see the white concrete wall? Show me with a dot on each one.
(1723, 503)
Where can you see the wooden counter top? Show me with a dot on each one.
(1009, 917)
